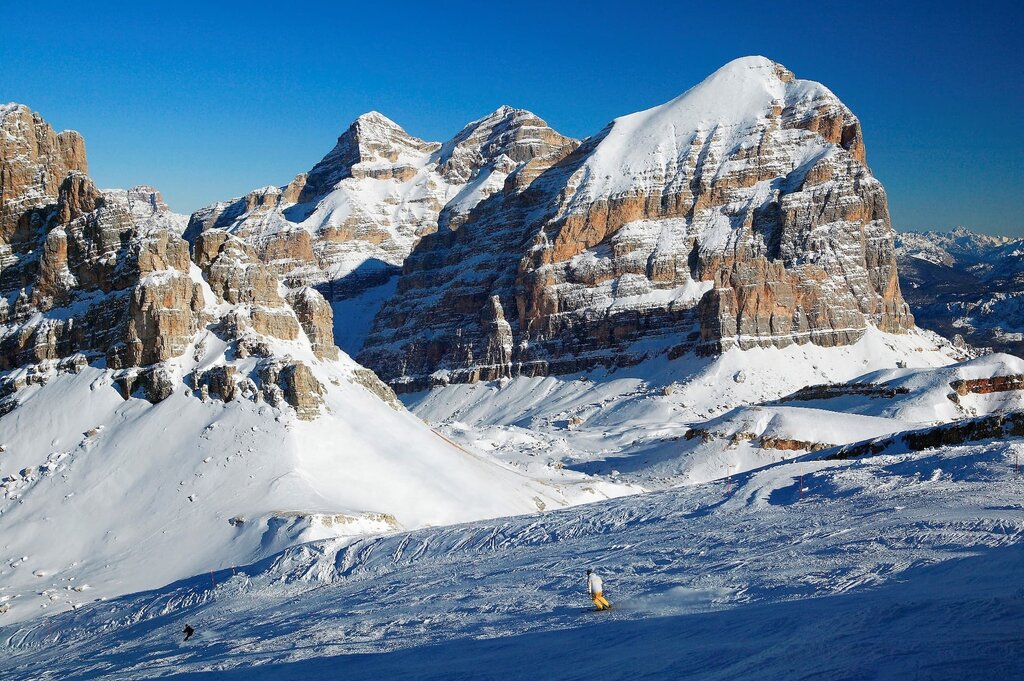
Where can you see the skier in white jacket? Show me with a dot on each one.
(596, 588)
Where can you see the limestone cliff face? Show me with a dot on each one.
(317, 320)
(34, 160)
(104, 277)
(348, 224)
(110, 277)
(742, 213)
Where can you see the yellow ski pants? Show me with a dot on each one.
(600, 601)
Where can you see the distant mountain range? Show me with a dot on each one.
(960, 283)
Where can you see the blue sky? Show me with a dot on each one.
(209, 100)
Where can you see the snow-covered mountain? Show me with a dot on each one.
(689, 326)
(348, 224)
(168, 412)
(740, 214)
(966, 284)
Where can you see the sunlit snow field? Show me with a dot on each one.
(899, 566)
(724, 560)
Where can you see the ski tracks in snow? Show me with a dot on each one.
(859, 525)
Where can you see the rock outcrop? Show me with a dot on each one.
(957, 433)
(295, 384)
(740, 214)
(317, 321)
(985, 386)
(238, 278)
(347, 225)
(34, 160)
(105, 277)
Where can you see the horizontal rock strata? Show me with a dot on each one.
(742, 214)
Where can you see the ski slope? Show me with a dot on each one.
(897, 566)
(103, 496)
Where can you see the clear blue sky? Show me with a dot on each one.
(209, 100)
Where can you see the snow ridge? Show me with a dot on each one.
(637, 149)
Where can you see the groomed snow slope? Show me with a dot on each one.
(105, 496)
(904, 566)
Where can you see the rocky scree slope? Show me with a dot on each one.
(347, 225)
(960, 283)
(740, 214)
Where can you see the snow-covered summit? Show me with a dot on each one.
(348, 224)
(738, 99)
(518, 134)
(375, 143)
(739, 214)
(946, 248)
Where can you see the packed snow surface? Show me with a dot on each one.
(103, 496)
(903, 566)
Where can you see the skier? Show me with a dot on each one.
(595, 586)
(188, 631)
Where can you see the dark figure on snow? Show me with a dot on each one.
(596, 589)
(188, 631)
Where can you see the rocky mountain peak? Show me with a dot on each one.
(34, 160)
(374, 146)
(103, 277)
(507, 136)
(743, 104)
(739, 214)
(348, 225)
(378, 138)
